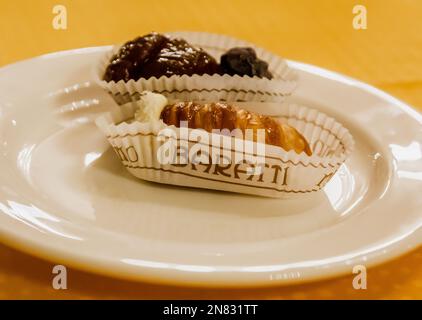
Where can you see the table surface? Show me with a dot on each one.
(388, 55)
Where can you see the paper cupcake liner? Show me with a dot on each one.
(206, 87)
(285, 173)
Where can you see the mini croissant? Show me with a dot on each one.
(220, 116)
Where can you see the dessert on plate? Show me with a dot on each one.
(157, 55)
(194, 66)
(205, 145)
(220, 116)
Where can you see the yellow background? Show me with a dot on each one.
(387, 55)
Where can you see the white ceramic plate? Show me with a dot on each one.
(64, 195)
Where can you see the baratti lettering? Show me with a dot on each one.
(120, 153)
(274, 173)
(325, 179)
(206, 165)
(132, 154)
(200, 143)
(221, 170)
(261, 176)
(245, 170)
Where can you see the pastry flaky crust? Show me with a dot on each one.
(210, 116)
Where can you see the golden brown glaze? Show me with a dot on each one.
(220, 116)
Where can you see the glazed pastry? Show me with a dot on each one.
(156, 55)
(223, 116)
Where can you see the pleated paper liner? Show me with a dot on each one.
(284, 173)
(206, 87)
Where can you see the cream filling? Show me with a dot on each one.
(150, 107)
